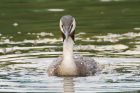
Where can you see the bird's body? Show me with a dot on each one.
(70, 64)
(85, 66)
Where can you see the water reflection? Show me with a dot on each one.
(28, 74)
(105, 45)
(68, 85)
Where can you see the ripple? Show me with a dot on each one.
(29, 74)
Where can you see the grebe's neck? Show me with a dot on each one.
(68, 66)
(68, 51)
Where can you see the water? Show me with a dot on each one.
(107, 30)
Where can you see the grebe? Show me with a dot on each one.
(70, 64)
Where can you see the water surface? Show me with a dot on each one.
(30, 39)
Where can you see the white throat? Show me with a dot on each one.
(68, 50)
(68, 66)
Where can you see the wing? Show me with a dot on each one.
(86, 65)
(52, 70)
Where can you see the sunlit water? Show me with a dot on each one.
(107, 30)
(22, 73)
(27, 72)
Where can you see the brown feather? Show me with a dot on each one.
(63, 36)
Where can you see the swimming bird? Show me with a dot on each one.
(70, 64)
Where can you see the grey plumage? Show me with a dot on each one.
(67, 20)
(66, 26)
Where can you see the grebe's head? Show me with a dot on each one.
(67, 25)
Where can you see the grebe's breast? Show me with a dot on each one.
(86, 66)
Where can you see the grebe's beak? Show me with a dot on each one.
(66, 34)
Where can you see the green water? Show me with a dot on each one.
(93, 17)
(30, 39)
